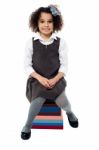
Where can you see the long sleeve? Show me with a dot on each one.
(63, 51)
(28, 57)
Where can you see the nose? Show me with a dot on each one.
(46, 23)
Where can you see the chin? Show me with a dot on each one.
(47, 33)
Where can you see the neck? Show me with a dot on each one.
(45, 37)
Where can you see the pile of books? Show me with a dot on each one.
(49, 117)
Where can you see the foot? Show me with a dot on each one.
(73, 121)
(25, 136)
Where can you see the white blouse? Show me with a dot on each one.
(29, 52)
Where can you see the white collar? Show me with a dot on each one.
(37, 36)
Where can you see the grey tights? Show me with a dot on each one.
(36, 105)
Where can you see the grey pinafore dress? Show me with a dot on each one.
(45, 62)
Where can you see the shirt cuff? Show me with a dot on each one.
(63, 70)
(29, 71)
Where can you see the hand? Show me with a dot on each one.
(48, 83)
(44, 81)
(52, 82)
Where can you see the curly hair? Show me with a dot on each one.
(34, 17)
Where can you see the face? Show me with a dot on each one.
(45, 24)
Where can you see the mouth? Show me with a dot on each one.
(46, 29)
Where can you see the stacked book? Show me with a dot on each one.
(49, 117)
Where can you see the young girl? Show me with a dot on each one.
(46, 66)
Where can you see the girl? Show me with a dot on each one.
(46, 66)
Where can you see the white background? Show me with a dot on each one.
(81, 32)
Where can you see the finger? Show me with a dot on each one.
(52, 84)
(47, 85)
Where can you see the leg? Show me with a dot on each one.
(62, 102)
(34, 109)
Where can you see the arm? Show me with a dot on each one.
(28, 65)
(63, 50)
(59, 76)
(28, 58)
(63, 57)
(63, 63)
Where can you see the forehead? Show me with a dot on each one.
(45, 16)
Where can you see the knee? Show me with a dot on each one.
(38, 100)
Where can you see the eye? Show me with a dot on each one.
(41, 21)
(50, 21)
